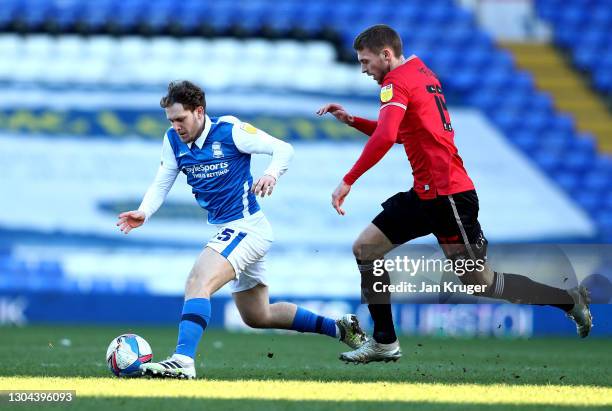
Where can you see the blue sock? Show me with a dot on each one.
(308, 322)
(195, 318)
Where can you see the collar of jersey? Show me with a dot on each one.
(411, 58)
(200, 141)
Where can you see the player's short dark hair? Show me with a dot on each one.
(377, 38)
(185, 92)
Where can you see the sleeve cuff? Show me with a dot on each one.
(348, 180)
(272, 172)
(147, 215)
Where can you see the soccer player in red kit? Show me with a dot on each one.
(443, 200)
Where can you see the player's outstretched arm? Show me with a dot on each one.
(337, 111)
(382, 140)
(364, 125)
(374, 150)
(129, 220)
(155, 195)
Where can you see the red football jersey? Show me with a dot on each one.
(425, 130)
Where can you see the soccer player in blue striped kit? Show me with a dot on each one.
(215, 154)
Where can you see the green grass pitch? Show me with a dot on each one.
(271, 371)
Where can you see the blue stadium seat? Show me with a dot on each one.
(98, 14)
(581, 155)
(572, 14)
(601, 16)
(311, 16)
(603, 80)
(501, 60)
(497, 79)
(8, 12)
(129, 14)
(342, 15)
(444, 61)
(602, 169)
(584, 143)
(525, 140)
(586, 58)
(555, 142)
(591, 201)
(508, 120)
(466, 81)
(562, 124)
(462, 37)
(549, 161)
(596, 181)
(408, 12)
(585, 30)
(547, 10)
(515, 100)
(191, 14)
(379, 12)
(67, 15)
(476, 58)
(595, 37)
(35, 12)
(534, 120)
(568, 180)
(542, 102)
(158, 14)
(577, 163)
(484, 99)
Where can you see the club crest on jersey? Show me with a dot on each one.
(216, 149)
(386, 93)
(248, 128)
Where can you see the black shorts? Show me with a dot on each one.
(453, 219)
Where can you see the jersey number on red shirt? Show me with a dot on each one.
(439, 97)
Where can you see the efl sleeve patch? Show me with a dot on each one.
(248, 128)
(386, 93)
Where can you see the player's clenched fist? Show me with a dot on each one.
(337, 111)
(130, 219)
(264, 186)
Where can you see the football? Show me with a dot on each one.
(126, 353)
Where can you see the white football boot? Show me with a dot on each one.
(350, 332)
(372, 351)
(581, 314)
(171, 368)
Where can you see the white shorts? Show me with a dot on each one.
(245, 243)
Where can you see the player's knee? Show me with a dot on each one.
(366, 252)
(357, 250)
(256, 321)
(256, 318)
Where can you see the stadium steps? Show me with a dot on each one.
(570, 92)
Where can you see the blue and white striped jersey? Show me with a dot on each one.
(218, 168)
(219, 174)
